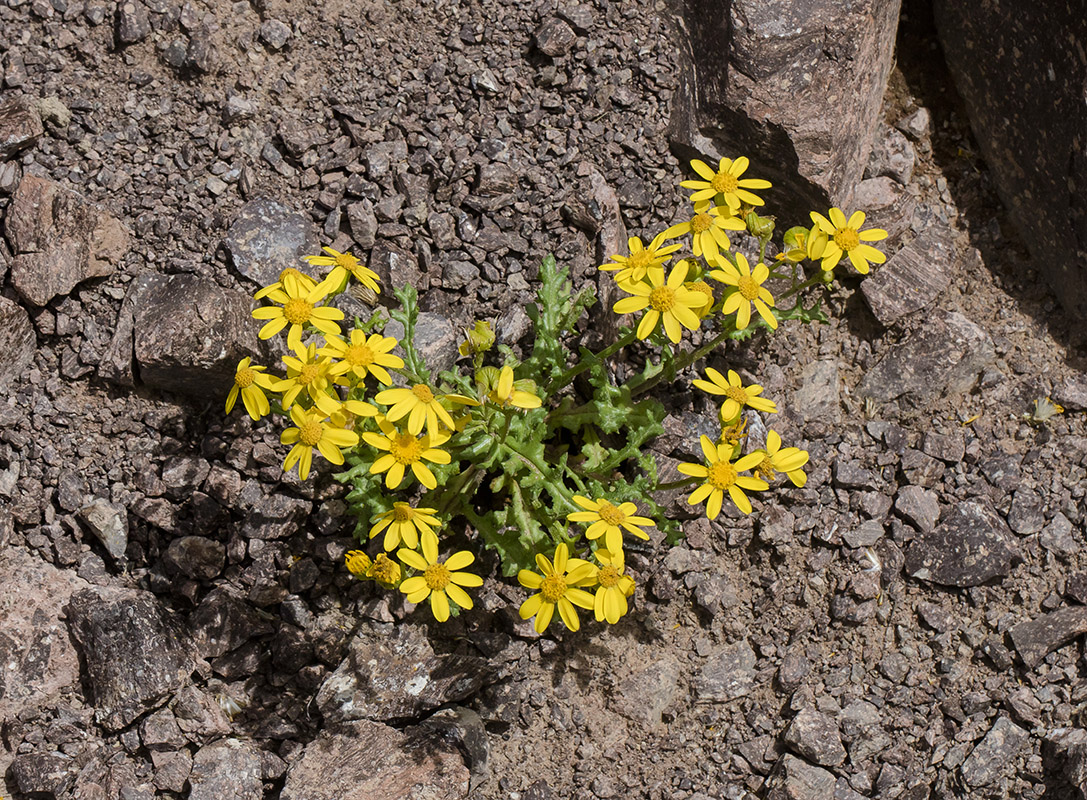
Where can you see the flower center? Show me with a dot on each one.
(359, 355)
(402, 512)
(553, 588)
(423, 393)
(436, 576)
(663, 299)
(384, 570)
(310, 433)
(297, 311)
(749, 287)
(308, 374)
(722, 475)
(640, 261)
(347, 261)
(846, 238)
(736, 393)
(608, 576)
(610, 514)
(406, 449)
(701, 223)
(724, 182)
(765, 469)
(244, 378)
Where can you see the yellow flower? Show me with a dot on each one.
(610, 602)
(609, 520)
(420, 405)
(250, 381)
(440, 580)
(305, 372)
(635, 266)
(669, 301)
(386, 571)
(404, 451)
(344, 264)
(723, 476)
(314, 430)
(749, 290)
(736, 394)
(288, 276)
(733, 431)
(725, 181)
(707, 228)
(775, 459)
(846, 236)
(297, 308)
(703, 288)
(558, 586)
(365, 355)
(402, 523)
(505, 394)
(358, 563)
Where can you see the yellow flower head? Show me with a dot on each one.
(343, 265)
(420, 405)
(725, 181)
(305, 372)
(707, 229)
(404, 451)
(634, 267)
(402, 523)
(775, 459)
(557, 585)
(288, 276)
(609, 521)
(505, 392)
(297, 308)
(440, 581)
(723, 476)
(358, 563)
(749, 291)
(703, 288)
(668, 301)
(251, 382)
(386, 571)
(365, 355)
(845, 236)
(314, 430)
(615, 587)
(736, 394)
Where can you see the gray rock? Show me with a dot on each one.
(1036, 156)
(160, 731)
(361, 760)
(794, 668)
(275, 516)
(195, 556)
(758, 82)
(949, 448)
(109, 524)
(936, 617)
(817, 399)
(43, 774)
(135, 653)
(435, 338)
(397, 266)
(59, 240)
(892, 156)
(442, 229)
(227, 770)
(851, 475)
(796, 779)
(459, 274)
(133, 22)
(943, 358)
(1072, 393)
(17, 342)
(917, 124)
(554, 37)
(363, 223)
(1056, 537)
(1064, 751)
(994, 754)
(1039, 637)
(274, 33)
(495, 178)
(894, 667)
(919, 506)
(727, 675)
(911, 279)
(187, 334)
(398, 676)
(20, 126)
(866, 534)
(37, 659)
(1027, 514)
(888, 205)
(464, 728)
(650, 692)
(172, 769)
(970, 546)
(267, 237)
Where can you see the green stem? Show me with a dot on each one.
(664, 487)
(638, 385)
(565, 378)
(555, 487)
(818, 278)
(456, 489)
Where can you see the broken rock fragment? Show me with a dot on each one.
(970, 546)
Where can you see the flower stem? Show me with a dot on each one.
(638, 385)
(563, 380)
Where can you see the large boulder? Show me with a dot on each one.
(795, 86)
(1021, 69)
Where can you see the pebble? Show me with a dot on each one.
(796, 779)
(1037, 638)
(275, 33)
(816, 737)
(1057, 537)
(919, 506)
(727, 674)
(133, 22)
(911, 279)
(994, 754)
(971, 546)
(20, 126)
(554, 37)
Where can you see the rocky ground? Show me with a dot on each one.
(177, 619)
